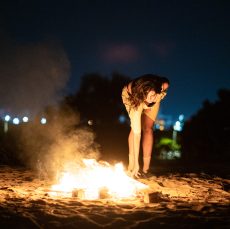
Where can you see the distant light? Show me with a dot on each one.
(43, 121)
(16, 121)
(25, 119)
(122, 118)
(7, 118)
(177, 126)
(162, 128)
(157, 126)
(90, 122)
(181, 117)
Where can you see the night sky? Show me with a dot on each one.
(186, 41)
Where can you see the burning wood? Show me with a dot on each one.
(99, 181)
(80, 193)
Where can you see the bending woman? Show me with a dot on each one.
(142, 98)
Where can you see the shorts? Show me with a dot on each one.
(150, 112)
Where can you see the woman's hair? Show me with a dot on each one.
(142, 85)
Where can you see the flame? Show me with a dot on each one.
(95, 179)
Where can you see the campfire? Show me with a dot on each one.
(98, 180)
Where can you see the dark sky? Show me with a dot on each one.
(186, 41)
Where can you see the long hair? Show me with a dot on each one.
(141, 87)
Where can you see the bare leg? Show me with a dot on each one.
(147, 141)
(131, 153)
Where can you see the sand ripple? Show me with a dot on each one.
(177, 201)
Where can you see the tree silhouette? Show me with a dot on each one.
(99, 97)
(206, 137)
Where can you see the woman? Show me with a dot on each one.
(142, 98)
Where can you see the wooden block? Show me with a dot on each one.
(79, 193)
(154, 197)
(104, 193)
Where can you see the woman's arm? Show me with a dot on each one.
(134, 140)
(136, 150)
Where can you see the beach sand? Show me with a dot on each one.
(189, 200)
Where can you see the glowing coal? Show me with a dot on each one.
(96, 180)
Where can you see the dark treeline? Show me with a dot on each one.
(99, 98)
(99, 102)
(206, 136)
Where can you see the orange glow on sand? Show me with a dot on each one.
(96, 180)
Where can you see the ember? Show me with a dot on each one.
(96, 180)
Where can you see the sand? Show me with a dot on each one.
(177, 200)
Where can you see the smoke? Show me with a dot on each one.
(59, 145)
(32, 76)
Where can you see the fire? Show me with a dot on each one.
(99, 180)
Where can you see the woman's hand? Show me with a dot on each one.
(133, 168)
(135, 172)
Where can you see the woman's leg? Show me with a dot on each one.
(147, 140)
(131, 153)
